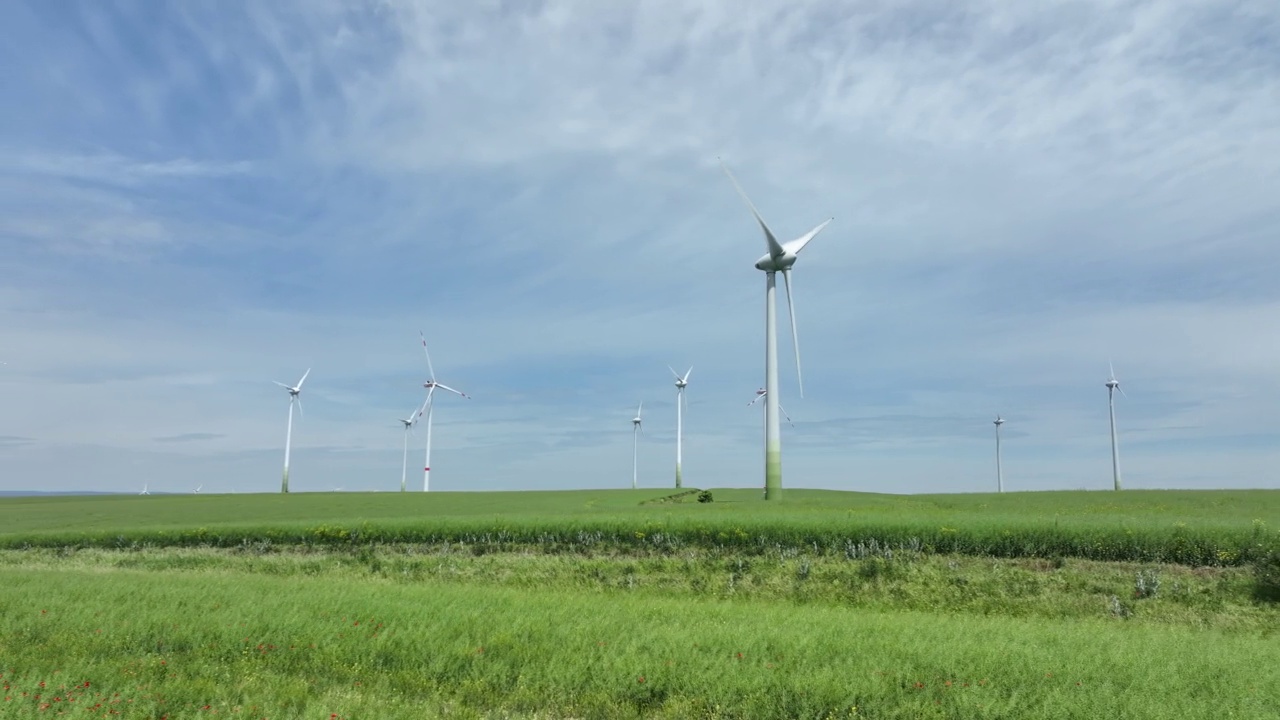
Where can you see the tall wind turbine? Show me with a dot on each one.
(779, 258)
(761, 392)
(1112, 385)
(431, 386)
(409, 422)
(294, 390)
(681, 384)
(999, 470)
(144, 490)
(635, 445)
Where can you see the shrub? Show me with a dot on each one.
(1266, 573)
(704, 496)
(1147, 584)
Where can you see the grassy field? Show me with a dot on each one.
(1220, 528)
(622, 604)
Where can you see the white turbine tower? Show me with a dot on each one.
(431, 386)
(408, 422)
(779, 258)
(1112, 385)
(681, 384)
(999, 470)
(761, 392)
(635, 445)
(294, 390)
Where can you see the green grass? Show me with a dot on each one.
(1220, 528)
(166, 643)
(637, 604)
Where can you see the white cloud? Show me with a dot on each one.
(1020, 193)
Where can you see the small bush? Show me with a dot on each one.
(1266, 574)
(704, 496)
(1147, 584)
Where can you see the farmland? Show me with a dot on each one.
(633, 604)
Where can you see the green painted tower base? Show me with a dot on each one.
(773, 472)
(679, 478)
(284, 483)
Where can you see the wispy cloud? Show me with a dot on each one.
(189, 437)
(196, 202)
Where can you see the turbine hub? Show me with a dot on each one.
(769, 263)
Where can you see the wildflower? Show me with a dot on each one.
(640, 679)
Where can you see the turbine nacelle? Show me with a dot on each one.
(999, 421)
(681, 382)
(769, 263)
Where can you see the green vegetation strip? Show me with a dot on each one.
(188, 644)
(1222, 528)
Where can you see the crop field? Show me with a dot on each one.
(638, 604)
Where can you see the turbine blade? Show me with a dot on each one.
(1112, 368)
(457, 392)
(640, 409)
(775, 248)
(1121, 389)
(795, 246)
(286, 387)
(687, 374)
(795, 338)
(430, 369)
(298, 399)
(304, 378)
(785, 415)
(756, 400)
(674, 374)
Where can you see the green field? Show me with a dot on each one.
(1219, 528)
(626, 604)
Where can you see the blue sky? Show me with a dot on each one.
(197, 199)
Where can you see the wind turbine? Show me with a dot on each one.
(999, 471)
(1112, 385)
(635, 444)
(681, 384)
(431, 386)
(409, 422)
(197, 490)
(294, 390)
(761, 392)
(144, 490)
(779, 258)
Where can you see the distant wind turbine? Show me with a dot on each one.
(408, 422)
(294, 391)
(999, 471)
(1112, 385)
(681, 403)
(197, 490)
(761, 393)
(635, 445)
(144, 490)
(431, 386)
(779, 258)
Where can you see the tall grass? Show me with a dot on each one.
(192, 644)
